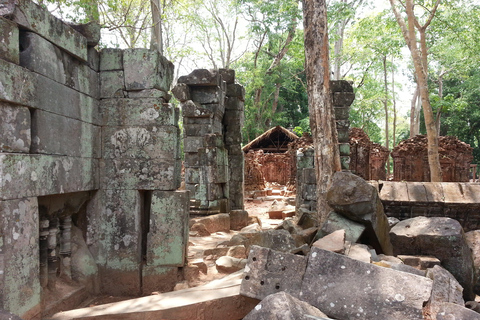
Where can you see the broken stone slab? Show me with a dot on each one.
(473, 241)
(140, 174)
(399, 266)
(15, 134)
(445, 288)
(440, 237)
(20, 233)
(354, 198)
(419, 262)
(279, 240)
(238, 219)
(215, 223)
(167, 238)
(71, 137)
(112, 84)
(140, 142)
(358, 251)
(228, 264)
(334, 242)
(269, 271)
(138, 112)
(9, 46)
(282, 306)
(38, 175)
(335, 221)
(202, 77)
(146, 69)
(452, 311)
(38, 19)
(111, 59)
(382, 293)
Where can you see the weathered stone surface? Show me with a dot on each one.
(19, 228)
(90, 30)
(111, 59)
(282, 306)
(387, 294)
(15, 134)
(146, 69)
(192, 144)
(201, 77)
(452, 311)
(168, 231)
(146, 142)
(138, 112)
(215, 223)
(39, 175)
(419, 262)
(150, 93)
(358, 252)
(38, 19)
(334, 242)
(236, 90)
(280, 240)
(199, 230)
(16, 83)
(139, 174)
(58, 135)
(208, 95)
(400, 267)
(442, 238)
(9, 46)
(445, 288)
(238, 219)
(193, 109)
(335, 221)
(83, 263)
(56, 98)
(354, 198)
(269, 271)
(239, 252)
(158, 279)
(93, 59)
(182, 92)
(228, 264)
(112, 84)
(473, 242)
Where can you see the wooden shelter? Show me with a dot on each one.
(274, 140)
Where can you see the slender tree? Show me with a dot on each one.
(419, 57)
(327, 158)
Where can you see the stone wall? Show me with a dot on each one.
(89, 165)
(212, 109)
(342, 97)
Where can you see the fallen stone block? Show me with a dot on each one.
(335, 221)
(228, 264)
(445, 288)
(282, 306)
(38, 19)
(473, 241)
(215, 223)
(357, 200)
(440, 237)
(452, 311)
(358, 252)
(9, 46)
(400, 267)
(419, 262)
(269, 271)
(334, 242)
(146, 69)
(279, 240)
(15, 134)
(238, 219)
(382, 293)
(238, 251)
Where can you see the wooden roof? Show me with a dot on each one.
(273, 140)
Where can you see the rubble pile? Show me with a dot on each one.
(254, 178)
(356, 266)
(411, 161)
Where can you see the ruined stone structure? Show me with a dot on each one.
(410, 161)
(213, 112)
(343, 96)
(367, 159)
(89, 166)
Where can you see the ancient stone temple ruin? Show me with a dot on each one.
(410, 160)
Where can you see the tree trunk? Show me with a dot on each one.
(322, 122)
(385, 106)
(157, 36)
(419, 57)
(413, 113)
(394, 104)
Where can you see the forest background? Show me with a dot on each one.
(263, 41)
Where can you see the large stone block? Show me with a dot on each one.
(268, 272)
(19, 228)
(38, 19)
(15, 135)
(335, 221)
(440, 237)
(57, 135)
(90, 30)
(150, 93)
(112, 84)
(146, 142)
(193, 109)
(192, 144)
(39, 175)
(146, 69)
(139, 174)
(138, 112)
(54, 97)
(17, 84)
(167, 238)
(199, 130)
(383, 293)
(202, 77)
(207, 95)
(111, 59)
(236, 90)
(9, 46)
(282, 306)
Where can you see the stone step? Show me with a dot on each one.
(218, 300)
